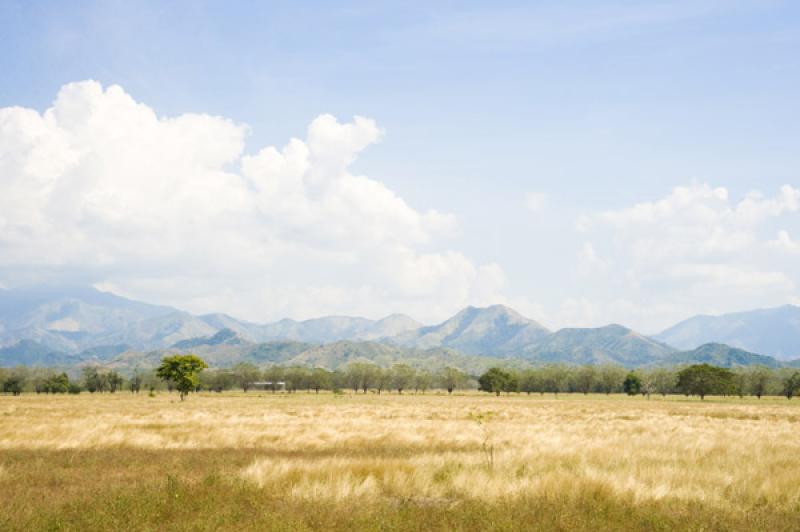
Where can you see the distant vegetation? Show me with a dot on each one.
(183, 373)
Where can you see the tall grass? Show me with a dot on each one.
(397, 462)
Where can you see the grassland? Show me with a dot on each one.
(389, 462)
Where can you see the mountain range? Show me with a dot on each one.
(773, 331)
(71, 325)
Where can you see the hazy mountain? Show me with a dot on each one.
(719, 355)
(223, 336)
(610, 344)
(335, 328)
(494, 330)
(73, 319)
(72, 325)
(774, 332)
(32, 353)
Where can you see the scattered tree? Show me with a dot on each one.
(182, 371)
(496, 380)
(704, 379)
(451, 379)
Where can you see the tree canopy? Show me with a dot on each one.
(704, 379)
(183, 371)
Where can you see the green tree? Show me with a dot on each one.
(115, 381)
(320, 379)
(632, 385)
(791, 385)
(183, 371)
(245, 375)
(296, 378)
(530, 381)
(610, 378)
(402, 376)
(383, 379)
(760, 379)
(14, 383)
(217, 380)
(584, 379)
(423, 380)
(704, 379)
(740, 382)
(451, 379)
(135, 383)
(363, 375)
(663, 380)
(554, 378)
(275, 375)
(495, 380)
(94, 380)
(56, 383)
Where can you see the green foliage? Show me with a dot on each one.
(632, 385)
(245, 374)
(791, 385)
(703, 379)
(451, 379)
(496, 380)
(182, 371)
(760, 379)
(585, 378)
(320, 379)
(13, 383)
(402, 376)
(54, 383)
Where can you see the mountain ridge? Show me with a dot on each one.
(771, 331)
(76, 323)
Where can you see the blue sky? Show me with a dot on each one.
(581, 110)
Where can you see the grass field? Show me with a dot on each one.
(411, 462)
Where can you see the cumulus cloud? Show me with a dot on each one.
(784, 242)
(697, 249)
(172, 209)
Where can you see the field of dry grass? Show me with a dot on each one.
(469, 462)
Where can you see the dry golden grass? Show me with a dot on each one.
(390, 461)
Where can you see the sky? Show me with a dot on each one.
(584, 162)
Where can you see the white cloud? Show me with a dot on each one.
(784, 242)
(695, 250)
(171, 209)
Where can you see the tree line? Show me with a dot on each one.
(697, 379)
(187, 373)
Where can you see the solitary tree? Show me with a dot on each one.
(183, 371)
